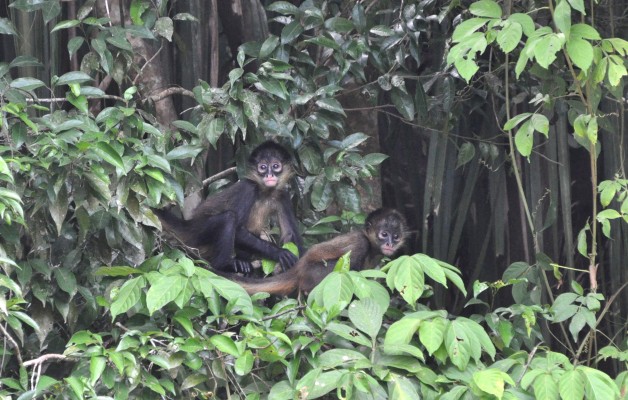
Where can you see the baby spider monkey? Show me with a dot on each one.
(226, 227)
(383, 234)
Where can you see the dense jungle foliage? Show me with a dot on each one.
(497, 128)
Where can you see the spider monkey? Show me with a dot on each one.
(226, 227)
(383, 233)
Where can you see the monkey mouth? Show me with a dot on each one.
(270, 182)
(388, 251)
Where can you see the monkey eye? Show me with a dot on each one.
(276, 167)
(384, 234)
(396, 237)
(262, 167)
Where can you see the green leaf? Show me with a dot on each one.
(597, 384)
(163, 291)
(193, 380)
(342, 357)
(291, 31)
(366, 315)
(509, 36)
(381, 30)
(526, 22)
(268, 46)
(584, 31)
(406, 276)
(128, 296)
(581, 53)
(348, 333)
(274, 87)
(225, 344)
(578, 5)
(284, 7)
(467, 28)
(73, 77)
(330, 104)
(339, 24)
(616, 70)
(108, 154)
(403, 102)
(7, 27)
(97, 365)
(546, 49)
(26, 83)
(545, 387)
(164, 27)
(466, 153)
(524, 139)
(402, 388)
(540, 123)
(432, 334)
(486, 8)
(562, 16)
(571, 385)
(323, 41)
(458, 344)
(66, 24)
(66, 280)
(183, 152)
(244, 363)
(492, 381)
(76, 385)
(431, 268)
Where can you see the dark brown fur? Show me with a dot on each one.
(225, 228)
(366, 246)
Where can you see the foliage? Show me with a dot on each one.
(84, 281)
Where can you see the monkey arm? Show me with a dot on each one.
(248, 241)
(288, 222)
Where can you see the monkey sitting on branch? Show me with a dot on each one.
(226, 227)
(383, 234)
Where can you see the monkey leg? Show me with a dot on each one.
(219, 232)
(248, 241)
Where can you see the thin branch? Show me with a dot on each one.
(44, 358)
(297, 308)
(169, 92)
(599, 319)
(147, 63)
(13, 343)
(530, 357)
(219, 175)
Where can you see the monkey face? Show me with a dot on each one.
(386, 230)
(269, 171)
(389, 241)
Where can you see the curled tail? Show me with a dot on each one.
(283, 284)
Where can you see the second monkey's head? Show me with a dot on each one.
(386, 229)
(270, 165)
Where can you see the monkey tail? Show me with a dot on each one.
(170, 222)
(283, 284)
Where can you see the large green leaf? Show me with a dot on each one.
(128, 296)
(366, 315)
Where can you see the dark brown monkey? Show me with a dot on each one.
(226, 227)
(383, 234)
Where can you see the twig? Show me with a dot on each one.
(298, 308)
(525, 367)
(219, 175)
(45, 357)
(13, 344)
(147, 63)
(170, 92)
(610, 301)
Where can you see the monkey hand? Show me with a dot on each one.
(244, 267)
(287, 259)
